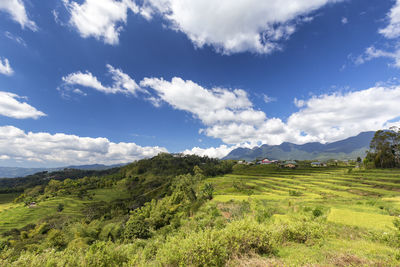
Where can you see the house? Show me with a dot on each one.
(267, 161)
(289, 164)
(32, 204)
(316, 164)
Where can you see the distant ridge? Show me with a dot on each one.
(346, 149)
(13, 172)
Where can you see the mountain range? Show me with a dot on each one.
(346, 149)
(12, 172)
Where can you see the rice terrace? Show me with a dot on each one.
(334, 215)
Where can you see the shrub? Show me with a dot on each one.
(299, 231)
(213, 247)
(60, 207)
(317, 212)
(56, 239)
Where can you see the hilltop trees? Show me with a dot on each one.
(385, 148)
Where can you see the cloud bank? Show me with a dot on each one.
(61, 149)
(228, 26)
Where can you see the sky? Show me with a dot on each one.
(107, 81)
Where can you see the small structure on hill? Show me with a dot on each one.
(32, 204)
(289, 164)
(267, 161)
(316, 164)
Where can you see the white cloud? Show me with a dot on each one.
(122, 83)
(101, 19)
(5, 67)
(372, 53)
(11, 107)
(17, 11)
(268, 99)
(216, 105)
(235, 26)
(229, 114)
(64, 149)
(212, 152)
(15, 38)
(344, 20)
(337, 116)
(393, 29)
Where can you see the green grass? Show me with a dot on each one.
(364, 200)
(18, 215)
(361, 219)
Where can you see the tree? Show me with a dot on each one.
(385, 148)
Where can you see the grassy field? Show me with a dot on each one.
(17, 215)
(359, 206)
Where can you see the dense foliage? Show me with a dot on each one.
(385, 149)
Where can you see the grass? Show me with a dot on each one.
(18, 215)
(361, 219)
(367, 201)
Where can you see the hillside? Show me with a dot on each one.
(13, 172)
(347, 149)
(196, 211)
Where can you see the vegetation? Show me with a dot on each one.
(385, 149)
(175, 210)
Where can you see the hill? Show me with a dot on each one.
(346, 149)
(195, 211)
(12, 172)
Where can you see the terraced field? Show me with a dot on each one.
(352, 197)
(360, 205)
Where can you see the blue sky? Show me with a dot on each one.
(113, 81)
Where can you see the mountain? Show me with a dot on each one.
(349, 148)
(12, 172)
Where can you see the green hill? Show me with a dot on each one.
(175, 210)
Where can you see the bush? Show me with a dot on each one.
(317, 212)
(213, 247)
(56, 239)
(60, 207)
(299, 231)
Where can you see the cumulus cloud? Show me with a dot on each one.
(337, 116)
(60, 148)
(17, 11)
(5, 67)
(10, 106)
(235, 26)
(229, 115)
(216, 105)
(344, 20)
(212, 152)
(393, 29)
(101, 19)
(122, 83)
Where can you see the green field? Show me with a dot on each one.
(359, 207)
(257, 216)
(17, 215)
